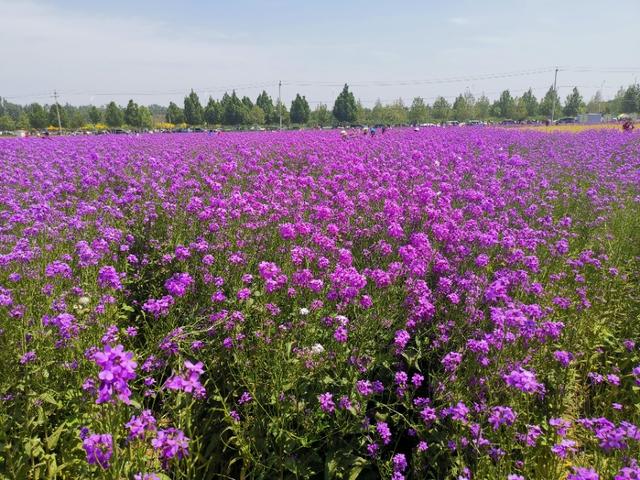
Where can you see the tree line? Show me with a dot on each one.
(231, 110)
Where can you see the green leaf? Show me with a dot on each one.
(358, 464)
(52, 440)
(47, 397)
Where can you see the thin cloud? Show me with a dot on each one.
(461, 21)
(47, 48)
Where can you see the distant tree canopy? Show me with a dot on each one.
(113, 115)
(574, 104)
(549, 102)
(38, 117)
(418, 112)
(232, 110)
(300, 110)
(266, 104)
(193, 111)
(441, 109)
(174, 114)
(344, 108)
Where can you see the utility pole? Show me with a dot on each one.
(280, 102)
(55, 96)
(555, 94)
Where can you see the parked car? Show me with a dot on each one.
(565, 120)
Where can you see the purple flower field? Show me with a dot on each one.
(437, 304)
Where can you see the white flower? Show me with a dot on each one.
(84, 300)
(304, 311)
(317, 348)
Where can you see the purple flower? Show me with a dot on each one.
(117, 368)
(341, 334)
(244, 398)
(139, 426)
(158, 307)
(580, 473)
(560, 425)
(564, 358)
(326, 402)
(58, 269)
(501, 416)
(243, 294)
(385, 433)
(108, 278)
(451, 361)
(364, 387)
(99, 448)
(178, 284)
(401, 340)
(399, 462)
(28, 357)
(146, 476)
(632, 472)
(564, 448)
(171, 443)
(524, 380)
(189, 380)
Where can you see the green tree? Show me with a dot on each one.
(419, 111)
(461, 109)
(193, 111)
(281, 109)
(506, 105)
(300, 110)
(266, 104)
(248, 104)
(574, 104)
(255, 116)
(132, 114)
(631, 99)
(520, 111)
(344, 108)
(321, 116)
(212, 112)
(482, 107)
(530, 103)
(378, 113)
(441, 109)
(53, 115)
(174, 114)
(145, 117)
(76, 119)
(23, 122)
(596, 103)
(546, 104)
(38, 117)
(94, 115)
(397, 113)
(234, 111)
(11, 109)
(7, 123)
(113, 115)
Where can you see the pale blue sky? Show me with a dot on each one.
(155, 51)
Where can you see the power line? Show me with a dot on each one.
(361, 84)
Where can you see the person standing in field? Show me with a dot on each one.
(627, 126)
